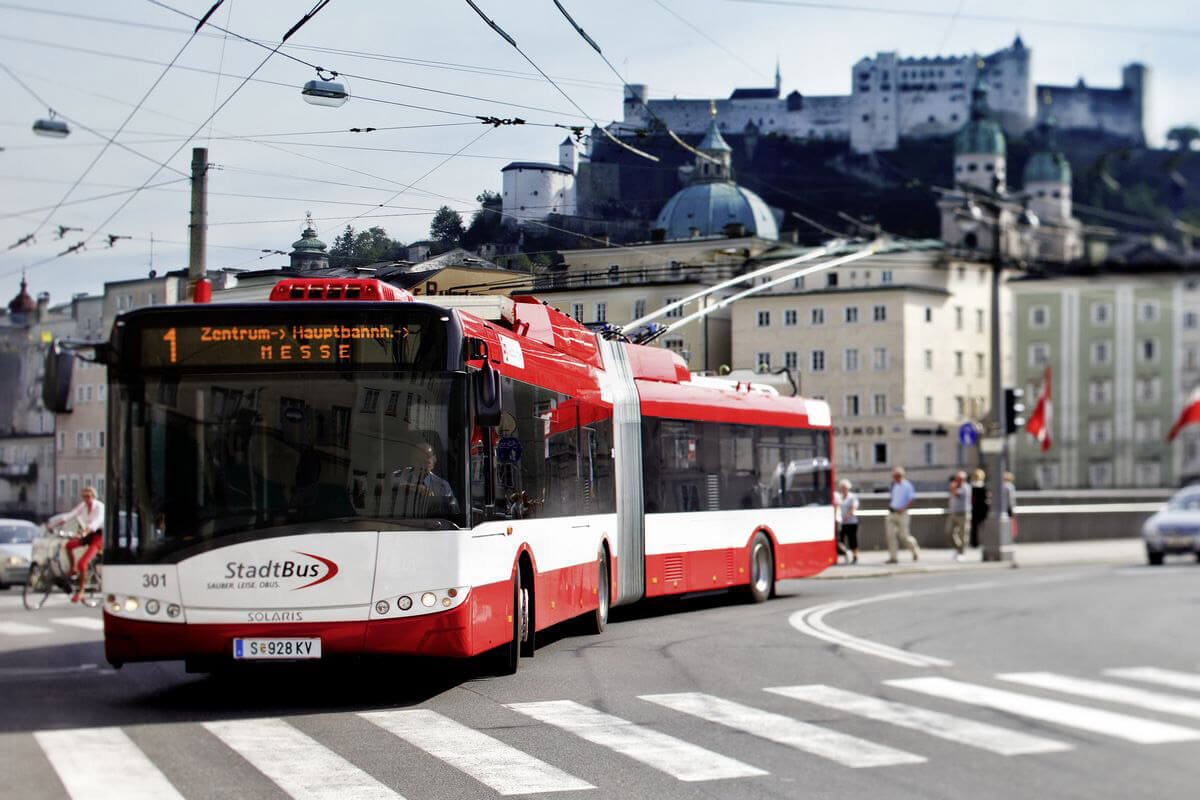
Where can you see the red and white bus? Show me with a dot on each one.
(343, 470)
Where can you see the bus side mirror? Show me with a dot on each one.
(56, 379)
(488, 395)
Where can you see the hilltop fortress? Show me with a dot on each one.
(892, 98)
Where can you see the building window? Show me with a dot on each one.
(789, 317)
(958, 362)
(762, 362)
(791, 359)
(850, 359)
(851, 455)
(929, 405)
(928, 314)
(99, 438)
(1148, 350)
(929, 454)
(1191, 320)
(960, 406)
(818, 316)
(764, 319)
(1102, 313)
(879, 405)
(1147, 390)
(1100, 391)
(1148, 473)
(1100, 474)
(601, 312)
(851, 405)
(798, 283)
(979, 320)
(879, 313)
(880, 454)
(1148, 430)
(100, 392)
(929, 359)
(62, 440)
(1100, 431)
(851, 314)
(1039, 316)
(831, 279)
(1039, 354)
(885, 276)
(675, 345)
(1148, 311)
(577, 311)
(639, 309)
(674, 312)
(879, 359)
(958, 318)
(1101, 353)
(817, 360)
(1191, 357)
(980, 364)
(78, 440)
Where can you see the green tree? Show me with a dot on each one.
(355, 249)
(1183, 136)
(485, 223)
(341, 253)
(447, 226)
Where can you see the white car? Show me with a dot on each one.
(16, 549)
(1174, 528)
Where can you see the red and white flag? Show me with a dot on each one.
(1039, 421)
(1189, 416)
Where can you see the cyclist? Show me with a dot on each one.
(90, 516)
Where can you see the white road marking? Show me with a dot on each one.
(1163, 677)
(687, 762)
(87, 623)
(489, 761)
(22, 629)
(847, 750)
(103, 764)
(944, 726)
(301, 766)
(1108, 723)
(1111, 692)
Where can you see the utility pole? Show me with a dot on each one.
(993, 532)
(198, 228)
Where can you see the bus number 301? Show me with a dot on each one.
(153, 580)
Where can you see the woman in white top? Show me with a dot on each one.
(847, 506)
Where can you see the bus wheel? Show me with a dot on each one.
(597, 621)
(762, 568)
(508, 656)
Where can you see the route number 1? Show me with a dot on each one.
(169, 337)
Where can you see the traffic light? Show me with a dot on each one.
(1014, 410)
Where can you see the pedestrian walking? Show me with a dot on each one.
(847, 504)
(1010, 502)
(980, 504)
(900, 496)
(958, 512)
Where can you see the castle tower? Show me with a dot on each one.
(568, 155)
(979, 148)
(1135, 79)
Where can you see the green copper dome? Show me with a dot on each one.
(980, 135)
(1047, 167)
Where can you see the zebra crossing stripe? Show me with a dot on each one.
(299, 765)
(944, 726)
(687, 762)
(489, 761)
(847, 750)
(22, 629)
(104, 764)
(1111, 692)
(1108, 723)
(87, 623)
(1163, 677)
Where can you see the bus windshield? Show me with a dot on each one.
(202, 459)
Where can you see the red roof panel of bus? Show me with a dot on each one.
(688, 401)
(367, 289)
(551, 327)
(656, 364)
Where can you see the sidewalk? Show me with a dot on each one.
(1045, 554)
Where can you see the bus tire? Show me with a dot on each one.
(508, 656)
(597, 620)
(762, 568)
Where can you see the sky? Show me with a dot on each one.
(277, 158)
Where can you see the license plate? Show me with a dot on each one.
(276, 648)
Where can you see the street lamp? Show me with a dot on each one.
(969, 216)
(325, 91)
(51, 126)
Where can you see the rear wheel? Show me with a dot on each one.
(1155, 559)
(762, 568)
(597, 621)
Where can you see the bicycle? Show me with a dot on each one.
(49, 570)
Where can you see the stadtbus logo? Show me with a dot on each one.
(269, 572)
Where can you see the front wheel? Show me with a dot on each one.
(1155, 559)
(37, 588)
(508, 656)
(597, 621)
(762, 568)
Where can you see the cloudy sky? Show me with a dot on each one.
(277, 157)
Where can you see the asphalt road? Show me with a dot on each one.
(1029, 694)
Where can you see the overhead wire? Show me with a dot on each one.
(710, 39)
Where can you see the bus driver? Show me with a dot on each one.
(421, 481)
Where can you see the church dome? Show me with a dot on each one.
(1047, 167)
(980, 136)
(709, 207)
(22, 303)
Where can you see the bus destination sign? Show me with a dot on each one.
(353, 344)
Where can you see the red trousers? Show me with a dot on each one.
(92, 542)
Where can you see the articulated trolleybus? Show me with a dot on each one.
(343, 470)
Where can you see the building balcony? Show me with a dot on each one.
(19, 473)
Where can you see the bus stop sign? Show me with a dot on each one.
(968, 434)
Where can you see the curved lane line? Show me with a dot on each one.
(811, 621)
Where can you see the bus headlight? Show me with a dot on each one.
(131, 604)
(428, 599)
